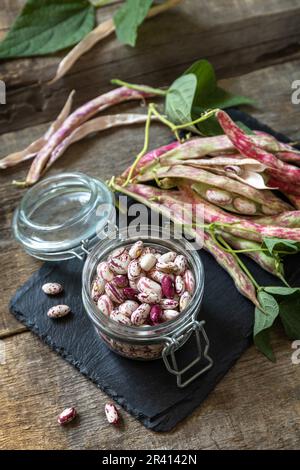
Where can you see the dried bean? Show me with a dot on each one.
(105, 305)
(136, 249)
(52, 288)
(66, 416)
(184, 301)
(104, 271)
(140, 315)
(58, 311)
(111, 414)
(167, 285)
(148, 261)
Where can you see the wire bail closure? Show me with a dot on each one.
(175, 343)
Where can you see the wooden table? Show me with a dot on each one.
(255, 47)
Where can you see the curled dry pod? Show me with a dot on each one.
(179, 285)
(147, 285)
(170, 314)
(128, 307)
(136, 249)
(148, 261)
(218, 196)
(66, 416)
(244, 206)
(189, 281)
(156, 314)
(120, 265)
(58, 311)
(140, 315)
(105, 305)
(130, 293)
(52, 288)
(184, 300)
(167, 257)
(149, 297)
(134, 270)
(104, 271)
(156, 275)
(168, 304)
(167, 286)
(169, 267)
(120, 281)
(111, 413)
(114, 293)
(97, 288)
(181, 264)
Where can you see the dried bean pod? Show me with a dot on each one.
(167, 286)
(189, 281)
(128, 307)
(120, 281)
(52, 288)
(114, 293)
(148, 261)
(147, 285)
(136, 249)
(66, 416)
(244, 206)
(104, 272)
(184, 301)
(134, 270)
(167, 257)
(58, 311)
(120, 265)
(179, 285)
(168, 304)
(105, 305)
(181, 264)
(111, 414)
(156, 314)
(170, 314)
(149, 297)
(130, 293)
(140, 315)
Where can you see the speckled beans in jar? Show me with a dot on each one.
(146, 296)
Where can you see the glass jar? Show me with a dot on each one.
(57, 220)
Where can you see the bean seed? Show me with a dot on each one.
(168, 304)
(128, 307)
(181, 264)
(184, 301)
(134, 270)
(120, 265)
(105, 305)
(179, 285)
(114, 293)
(52, 288)
(167, 286)
(147, 285)
(169, 267)
(58, 311)
(66, 416)
(170, 314)
(189, 281)
(140, 315)
(112, 414)
(104, 271)
(149, 297)
(147, 262)
(136, 249)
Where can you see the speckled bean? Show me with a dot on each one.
(58, 311)
(52, 288)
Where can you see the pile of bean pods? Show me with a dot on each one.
(140, 285)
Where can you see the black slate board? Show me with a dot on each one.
(146, 389)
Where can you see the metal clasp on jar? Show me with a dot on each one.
(176, 342)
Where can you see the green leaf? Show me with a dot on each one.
(290, 316)
(275, 245)
(180, 98)
(128, 18)
(264, 319)
(47, 26)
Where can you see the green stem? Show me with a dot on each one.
(202, 118)
(144, 149)
(143, 88)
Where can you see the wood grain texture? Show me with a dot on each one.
(255, 406)
(236, 36)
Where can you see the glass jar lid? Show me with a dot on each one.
(60, 214)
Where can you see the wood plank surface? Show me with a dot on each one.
(236, 36)
(257, 404)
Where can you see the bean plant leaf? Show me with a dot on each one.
(280, 290)
(180, 98)
(264, 319)
(47, 26)
(128, 18)
(281, 246)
